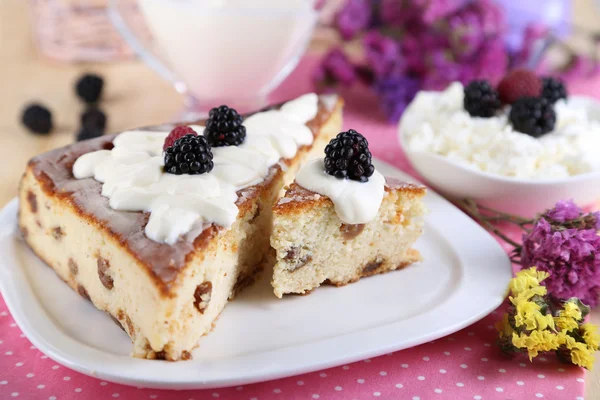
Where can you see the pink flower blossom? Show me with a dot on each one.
(565, 243)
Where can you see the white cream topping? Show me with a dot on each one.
(133, 178)
(436, 122)
(355, 202)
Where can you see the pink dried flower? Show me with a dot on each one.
(353, 17)
(382, 54)
(564, 210)
(565, 243)
(335, 68)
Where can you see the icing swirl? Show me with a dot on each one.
(133, 179)
(355, 202)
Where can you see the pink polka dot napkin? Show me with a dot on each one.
(465, 365)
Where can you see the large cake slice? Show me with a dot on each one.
(333, 228)
(162, 251)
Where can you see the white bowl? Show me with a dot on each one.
(525, 197)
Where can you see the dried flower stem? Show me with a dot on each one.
(473, 210)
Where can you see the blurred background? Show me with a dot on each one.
(385, 50)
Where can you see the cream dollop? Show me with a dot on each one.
(355, 202)
(133, 179)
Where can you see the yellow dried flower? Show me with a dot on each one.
(571, 310)
(564, 323)
(528, 314)
(589, 332)
(503, 326)
(535, 342)
(582, 356)
(527, 279)
(566, 340)
(536, 330)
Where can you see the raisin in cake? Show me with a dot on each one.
(161, 240)
(342, 220)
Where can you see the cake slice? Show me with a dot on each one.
(336, 230)
(160, 249)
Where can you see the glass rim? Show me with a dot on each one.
(306, 9)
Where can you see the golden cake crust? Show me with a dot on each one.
(299, 199)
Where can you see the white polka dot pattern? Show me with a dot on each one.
(458, 368)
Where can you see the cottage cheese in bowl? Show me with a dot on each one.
(437, 123)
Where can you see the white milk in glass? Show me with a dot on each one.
(230, 49)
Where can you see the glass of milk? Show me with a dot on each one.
(215, 52)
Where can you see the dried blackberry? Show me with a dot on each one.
(224, 127)
(89, 88)
(94, 118)
(86, 133)
(481, 99)
(347, 156)
(534, 116)
(189, 155)
(37, 118)
(553, 89)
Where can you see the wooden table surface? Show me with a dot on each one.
(134, 96)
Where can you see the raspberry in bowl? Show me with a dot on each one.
(520, 158)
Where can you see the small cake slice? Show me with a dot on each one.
(160, 227)
(341, 220)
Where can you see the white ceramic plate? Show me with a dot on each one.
(258, 337)
(525, 197)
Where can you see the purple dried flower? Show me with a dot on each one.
(491, 62)
(353, 17)
(566, 246)
(435, 10)
(427, 12)
(395, 93)
(397, 13)
(564, 210)
(417, 45)
(335, 68)
(442, 69)
(472, 26)
(382, 54)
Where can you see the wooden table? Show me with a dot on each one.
(134, 96)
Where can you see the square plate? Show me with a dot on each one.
(258, 337)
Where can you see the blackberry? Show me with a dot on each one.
(37, 118)
(89, 88)
(86, 133)
(553, 89)
(481, 99)
(347, 156)
(224, 127)
(534, 116)
(189, 155)
(93, 118)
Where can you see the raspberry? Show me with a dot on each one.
(533, 116)
(347, 156)
(481, 99)
(89, 88)
(519, 83)
(189, 155)
(37, 118)
(176, 133)
(224, 127)
(553, 89)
